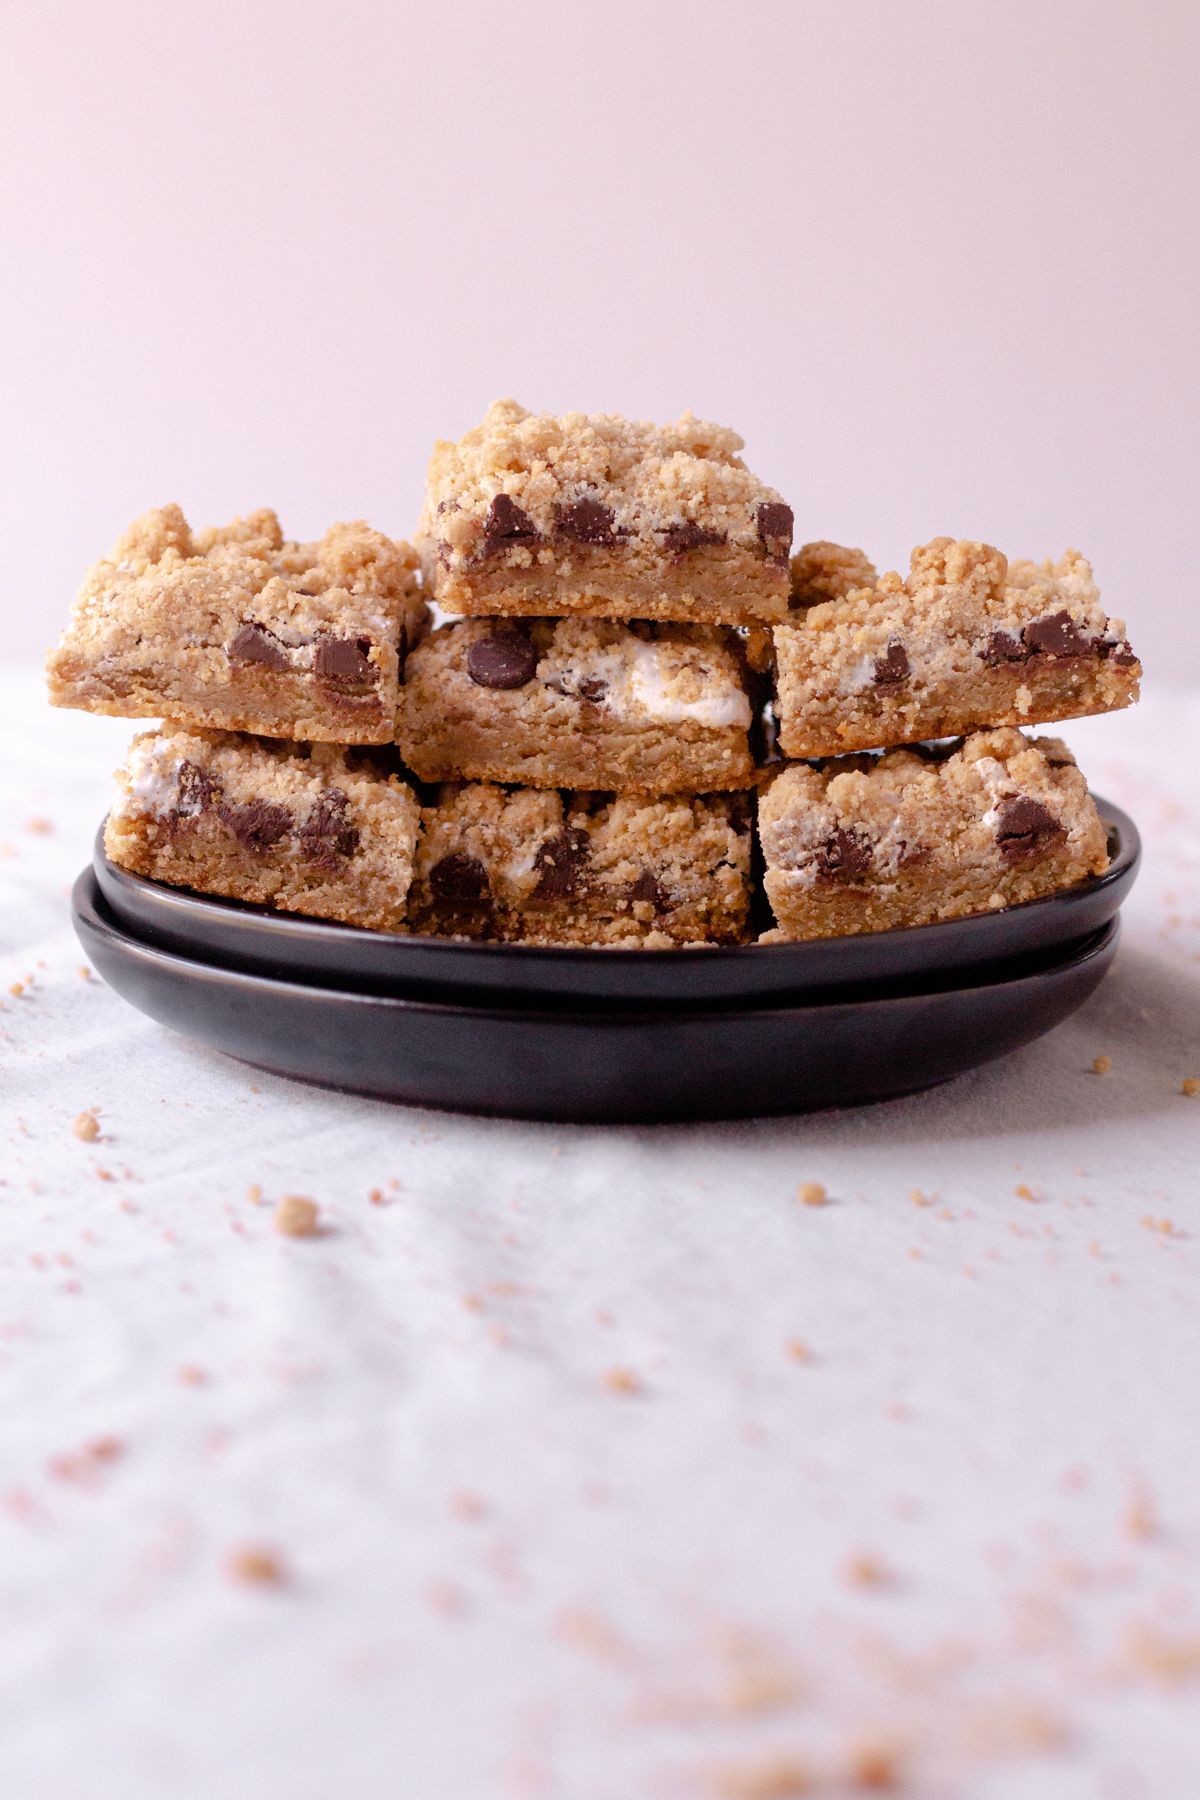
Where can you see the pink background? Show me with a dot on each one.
(936, 262)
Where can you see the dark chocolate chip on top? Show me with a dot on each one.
(459, 881)
(1025, 829)
(892, 669)
(587, 521)
(253, 643)
(560, 864)
(345, 660)
(844, 854)
(506, 523)
(503, 659)
(776, 524)
(1058, 635)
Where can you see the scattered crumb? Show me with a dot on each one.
(192, 1375)
(1166, 1659)
(874, 1767)
(1165, 1226)
(16, 989)
(1141, 1518)
(779, 1777)
(1191, 1087)
(444, 1597)
(254, 1090)
(83, 1466)
(257, 1565)
(254, 1194)
(798, 1350)
(39, 827)
(811, 1193)
(105, 1175)
(1024, 1193)
(918, 1198)
(867, 1570)
(376, 1196)
(472, 1302)
(622, 1381)
(85, 974)
(1102, 1064)
(465, 1505)
(295, 1216)
(87, 1126)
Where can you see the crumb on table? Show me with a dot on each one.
(811, 1193)
(257, 1565)
(296, 1216)
(1102, 1064)
(87, 1126)
(1191, 1087)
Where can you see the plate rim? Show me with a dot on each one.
(86, 891)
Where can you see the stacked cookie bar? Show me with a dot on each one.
(626, 669)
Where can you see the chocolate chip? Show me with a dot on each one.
(893, 668)
(328, 833)
(775, 526)
(689, 536)
(1002, 648)
(559, 864)
(506, 524)
(345, 660)
(255, 644)
(503, 659)
(587, 521)
(646, 888)
(1025, 828)
(258, 824)
(843, 855)
(592, 688)
(1058, 635)
(197, 790)
(308, 593)
(460, 881)
(1123, 657)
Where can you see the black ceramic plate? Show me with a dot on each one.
(261, 941)
(606, 1066)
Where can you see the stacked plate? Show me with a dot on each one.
(604, 1035)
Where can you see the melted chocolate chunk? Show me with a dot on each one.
(460, 881)
(1002, 648)
(844, 855)
(646, 887)
(1058, 635)
(593, 688)
(1123, 657)
(505, 659)
(560, 862)
(255, 644)
(258, 824)
(893, 668)
(588, 522)
(506, 524)
(344, 660)
(197, 790)
(1025, 828)
(329, 834)
(775, 526)
(689, 536)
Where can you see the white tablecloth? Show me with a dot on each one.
(593, 1464)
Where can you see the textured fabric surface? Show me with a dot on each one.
(590, 1461)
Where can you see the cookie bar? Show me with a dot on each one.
(599, 516)
(582, 868)
(234, 628)
(968, 640)
(317, 831)
(658, 709)
(865, 843)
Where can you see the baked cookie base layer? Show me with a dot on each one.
(205, 690)
(660, 760)
(717, 586)
(1044, 690)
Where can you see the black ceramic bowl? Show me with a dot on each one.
(608, 1065)
(262, 941)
